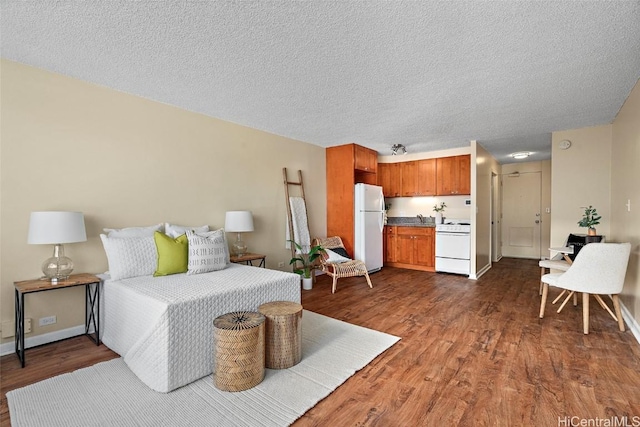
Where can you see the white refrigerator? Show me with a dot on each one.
(369, 224)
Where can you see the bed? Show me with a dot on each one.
(163, 326)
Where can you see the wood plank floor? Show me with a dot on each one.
(471, 353)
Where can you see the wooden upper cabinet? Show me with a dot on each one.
(389, 179)
(366, 160)
(418, 178)
(345, 168)
(445, 176)
(426, 182)
(409, 174)
(464, 174)
(453, 175)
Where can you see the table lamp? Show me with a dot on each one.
(56, 228)
(239, 222)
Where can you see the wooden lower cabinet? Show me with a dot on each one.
(410, 247)
(389, 244)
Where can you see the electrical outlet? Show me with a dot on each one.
(49, 320)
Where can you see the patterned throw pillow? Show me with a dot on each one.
(130, 256)
(207, 251)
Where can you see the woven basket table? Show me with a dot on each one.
(283, 340)
(239, 351)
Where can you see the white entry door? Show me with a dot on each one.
(521, 215)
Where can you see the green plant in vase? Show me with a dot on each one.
(439, 210)
(590, 219)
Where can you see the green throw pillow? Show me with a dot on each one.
(173, 254)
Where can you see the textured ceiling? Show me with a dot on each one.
(429, 75)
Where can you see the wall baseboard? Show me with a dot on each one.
(481, 272)
(633, 326)
(10, 347)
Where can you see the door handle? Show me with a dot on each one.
(537, 221)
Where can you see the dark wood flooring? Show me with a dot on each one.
(472, 353)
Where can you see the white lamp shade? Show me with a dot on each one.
(238, 221)
(56, 227)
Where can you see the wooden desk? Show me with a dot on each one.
(91, 307)
(248, 259)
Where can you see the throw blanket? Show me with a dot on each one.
(300, 225)
(163, 326)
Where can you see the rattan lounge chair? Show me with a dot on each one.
(338, 270)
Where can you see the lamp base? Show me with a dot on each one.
(58, 267)
(239, 247)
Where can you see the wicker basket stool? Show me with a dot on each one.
(283, 339)
(239, 352)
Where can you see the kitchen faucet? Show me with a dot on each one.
(421, 218)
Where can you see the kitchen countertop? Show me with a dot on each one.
(411, 222)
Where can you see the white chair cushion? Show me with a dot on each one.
(554, 264)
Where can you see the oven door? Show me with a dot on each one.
(453, 245)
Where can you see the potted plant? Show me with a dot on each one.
(439, 209)
(306, 259)
(590, 219)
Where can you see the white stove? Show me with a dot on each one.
(453, 247)
(454, 228)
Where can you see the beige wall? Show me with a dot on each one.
(128, 161)
(580, 177)
(625, 186)
(601, 168)
(544, 168)
(485, 165)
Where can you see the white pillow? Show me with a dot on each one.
(133, 231)
(130, 256)
(334, 257)
(174, 231)
(207, 251)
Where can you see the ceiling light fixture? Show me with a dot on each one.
(398, 149)
(520, 155)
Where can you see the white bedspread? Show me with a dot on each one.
(163, 326)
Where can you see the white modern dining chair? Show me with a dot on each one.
(599, 269)
(555, 263)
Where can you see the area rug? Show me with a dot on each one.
(109, 394)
